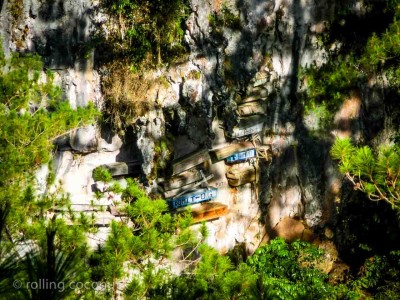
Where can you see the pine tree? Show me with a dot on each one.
(375, 174)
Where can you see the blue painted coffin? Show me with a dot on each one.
(200, 195)
(241, 156)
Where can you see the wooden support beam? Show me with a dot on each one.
(189, 161)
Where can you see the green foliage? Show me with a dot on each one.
(55, 252)
(328, 85)
(382, 55)
(345, 70)
(149, 27)
(380, 276)
(275, 271)
(377, 175)
(153, 235)
(16, 9)
(283, 275)
(32, 116)
(224, 18)
(102, 174)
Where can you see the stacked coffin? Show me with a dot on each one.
(251, 110)
(117, 169)
(189, 185)
(247, 172)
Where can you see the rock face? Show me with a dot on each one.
(84, 139)
(199, 105)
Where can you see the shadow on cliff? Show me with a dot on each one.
(62, 35)
(306, 167)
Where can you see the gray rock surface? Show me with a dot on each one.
(196, 104)
(85, 139)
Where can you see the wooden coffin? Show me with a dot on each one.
(123, 168)
(260, 81)
(209, 211)
(250, 109)
(258, 91)
(229, 149)
(241, 156)
(242, 176)
(255, 94)
(189, 161)
(248, 126)
(190, 186)
(183, 179)
(198, 196)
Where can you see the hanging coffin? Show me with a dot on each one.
(228, 150)
(209, 211)
(241, 156)
(123, 168)
(183, 179)
(198, 196)
(251, 109)
(261, 79)
(242, 176)
(252, 98)
(201, 182)
(248, 126)
(189, 161)
(259, 91)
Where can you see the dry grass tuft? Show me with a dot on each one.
(127, 96)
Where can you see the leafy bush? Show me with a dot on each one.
(225, 18)
(281, 271)
(102, 174)
(346, 69)
(148, 28)
(380, 276)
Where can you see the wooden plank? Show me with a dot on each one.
(209, 211)
(242, 176)
(190, 186)
(250, 109)
(229, 149)
(183, 179)
(123, 168)
(189, 161)
(198, 196)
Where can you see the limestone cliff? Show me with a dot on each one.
(195, 106)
